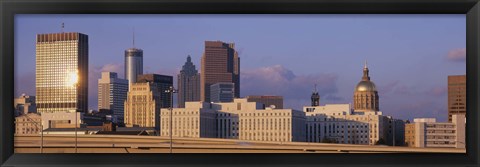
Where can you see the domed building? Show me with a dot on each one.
(365, 97)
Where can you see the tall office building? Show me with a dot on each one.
(222, 92)
(267, 101)
(112, 93)
(163, 83)
(365, 97)
(188, 83)
(61, 60)
(456, 95)
(133, 64)
(142, 107)
(220, 63)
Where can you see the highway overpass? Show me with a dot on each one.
(157, 144)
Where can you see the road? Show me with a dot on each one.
(156, 144)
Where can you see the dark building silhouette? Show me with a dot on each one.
(188, 84)
(268, 101)
(163, 82)
(315, 97)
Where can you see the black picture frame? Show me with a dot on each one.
(9, 8)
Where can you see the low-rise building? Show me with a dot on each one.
(196, 120)
(239, 119)
(64, 119)
(429, 133)
(338, 123)
(30, 123)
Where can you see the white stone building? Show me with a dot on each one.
(337, 123)
(424, 132)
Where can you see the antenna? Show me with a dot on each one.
(365, 64)
(315, 88)
(63, 26)
(134, 37)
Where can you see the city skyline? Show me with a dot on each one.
(334, 87)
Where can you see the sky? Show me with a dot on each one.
(409, 56)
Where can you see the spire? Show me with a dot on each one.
(315, 97)
(189, 59)
(365, 77)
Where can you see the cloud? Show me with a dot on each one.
(457, 55)
(394, 87)
(296, 89)
(437, 91)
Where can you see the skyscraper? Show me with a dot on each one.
(142, 107)
(162, 82)
(220, 63)
(188, 83)
(457, 95)
(112, 93)
(365, 97)
(133, 64)
(61, 72)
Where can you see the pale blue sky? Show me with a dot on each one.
(408, 55)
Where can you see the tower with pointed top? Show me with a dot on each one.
(365, 97)
(188, 83)
(133, 63)
(315, 97)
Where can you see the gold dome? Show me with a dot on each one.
(365, 86)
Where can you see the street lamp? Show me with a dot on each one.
(171, 90)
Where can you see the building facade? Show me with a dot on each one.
(457, 97)
(239, 119)
(196, 120)
(245, 120)
(29, 123)
(24, 105)
(188, 83)
(142, 107)
(112, 93)
(222, 92)
(219, 63)
(163, 83)
(268, 101)
(337, 123)
(365, 97)
(429, 133)
(61, 61)
(133, 64)
(66, 119)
